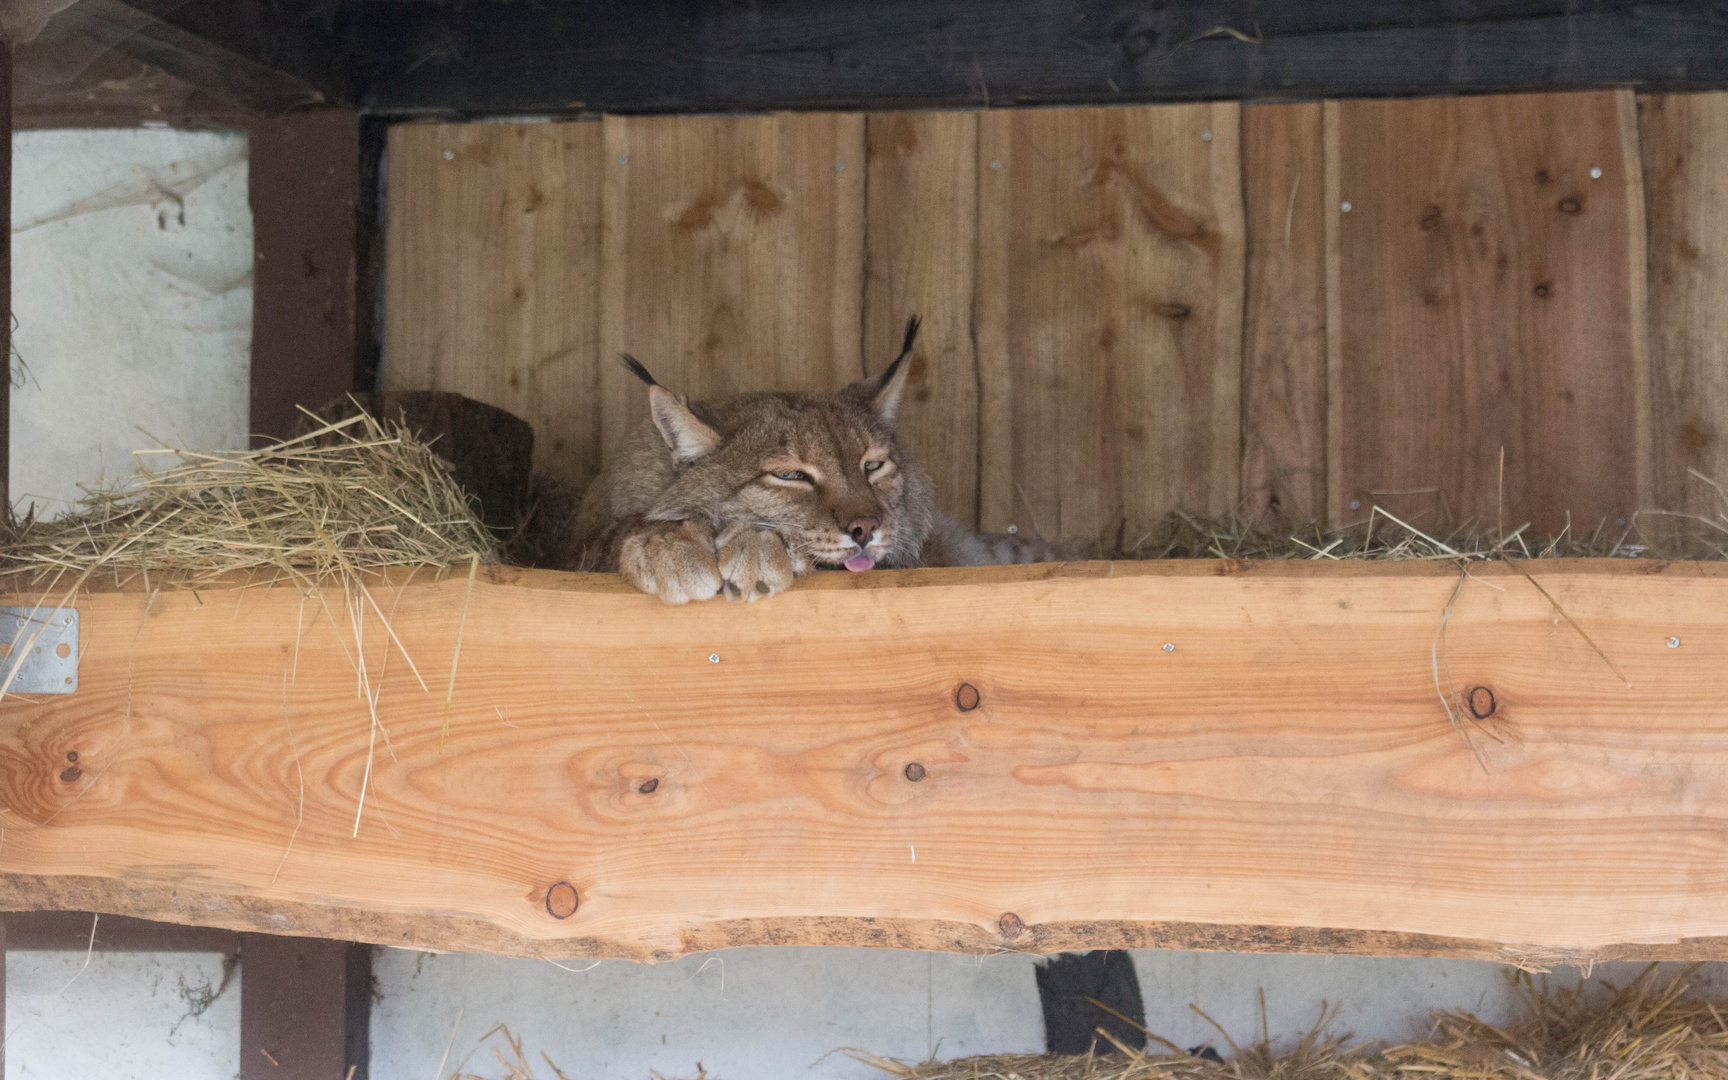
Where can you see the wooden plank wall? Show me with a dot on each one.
(1127, 310)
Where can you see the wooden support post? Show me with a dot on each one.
(305, 170)
(305, 1008)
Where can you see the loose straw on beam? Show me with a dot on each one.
(462, 624)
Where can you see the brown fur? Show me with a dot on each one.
(691, 508)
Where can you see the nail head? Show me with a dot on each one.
(995, 164)
(1673, 643)
(1345, 208)
(1355, 504)
(1206, 136)
(561, 900)
(1169, 646)
(713, 658)
(1595, 172)
(1013, 530)
(449, 155)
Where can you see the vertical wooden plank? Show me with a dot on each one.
(1483, 286)
(304, 179)
(492, 276)
(1332, 151)
(1284, 328)
(921, 241)
(1685, 157)
(1637, 293)
(305, 1007)
(1110, 317)
(733, 255)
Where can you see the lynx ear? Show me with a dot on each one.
(882, 392)
(686, 436)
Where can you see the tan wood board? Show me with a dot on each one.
(1284, 327)
(1685, 150)
(1110, 278)
(1206, 754)
(734, 252)
(492, 262)
(921, 237)
(1485, 303)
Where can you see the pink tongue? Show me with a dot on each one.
(860, 562)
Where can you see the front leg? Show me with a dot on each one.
(755, 563)
(673, 560)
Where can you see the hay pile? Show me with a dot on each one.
(348, 497)
(1647, 1030)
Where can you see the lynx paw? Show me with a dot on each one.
(674, 560)
(755, 563)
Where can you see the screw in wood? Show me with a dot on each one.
(713, 658)
(561, 900)
(1169, 646)
(1480, 702)
(966, 698)
(1010, 925)
(915, 772)
(1673, 643)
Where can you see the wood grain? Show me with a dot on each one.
(734, 251)
(1285, 765)
(492, 261)
(1284, 325)
(921, 248)
(1485, 304)
(1110, 279)
(1685, 155)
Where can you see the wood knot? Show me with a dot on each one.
(1480, 701)
(71, 755)
(71, 774)
(915, 772)
(1010, 926)
(966, 698)
(561, 900)
(1430, 219)
(1571, 204)
(1542, 290)
(649, 786)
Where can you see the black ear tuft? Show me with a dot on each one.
(912, 326)
(634, 366)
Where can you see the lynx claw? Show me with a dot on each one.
(673, 560)
(754, 563)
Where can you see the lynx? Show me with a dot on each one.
(741, 495)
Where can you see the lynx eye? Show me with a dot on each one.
(794, 475)
(872, 466)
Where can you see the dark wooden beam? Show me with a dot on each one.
(305, 1008)
(425, 57)
(305, 187)
(69, 931)
(248, 52)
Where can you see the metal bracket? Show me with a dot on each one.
(51, 635)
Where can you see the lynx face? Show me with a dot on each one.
(823, 473)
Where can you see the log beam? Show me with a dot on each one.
(1185, 755)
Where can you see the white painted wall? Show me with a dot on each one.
(125, 1016)
(132, 290)
(773, 1013)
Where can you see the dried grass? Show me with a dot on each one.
(1647, 1030)
(353, 496)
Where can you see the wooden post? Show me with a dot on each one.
(305, 170)
(305, 1008)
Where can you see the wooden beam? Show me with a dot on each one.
(305, 177)
(305, 1008)
(249, 52)
(1273, 756)
(670, 55)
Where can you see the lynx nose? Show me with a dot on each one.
(861, 528)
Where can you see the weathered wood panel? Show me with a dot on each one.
(1284, 326)
(733, 256)
(1286, 767)
(1685, 148)
(921, 237)
(1485, 301)
(492, 275)
(1110, 279)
